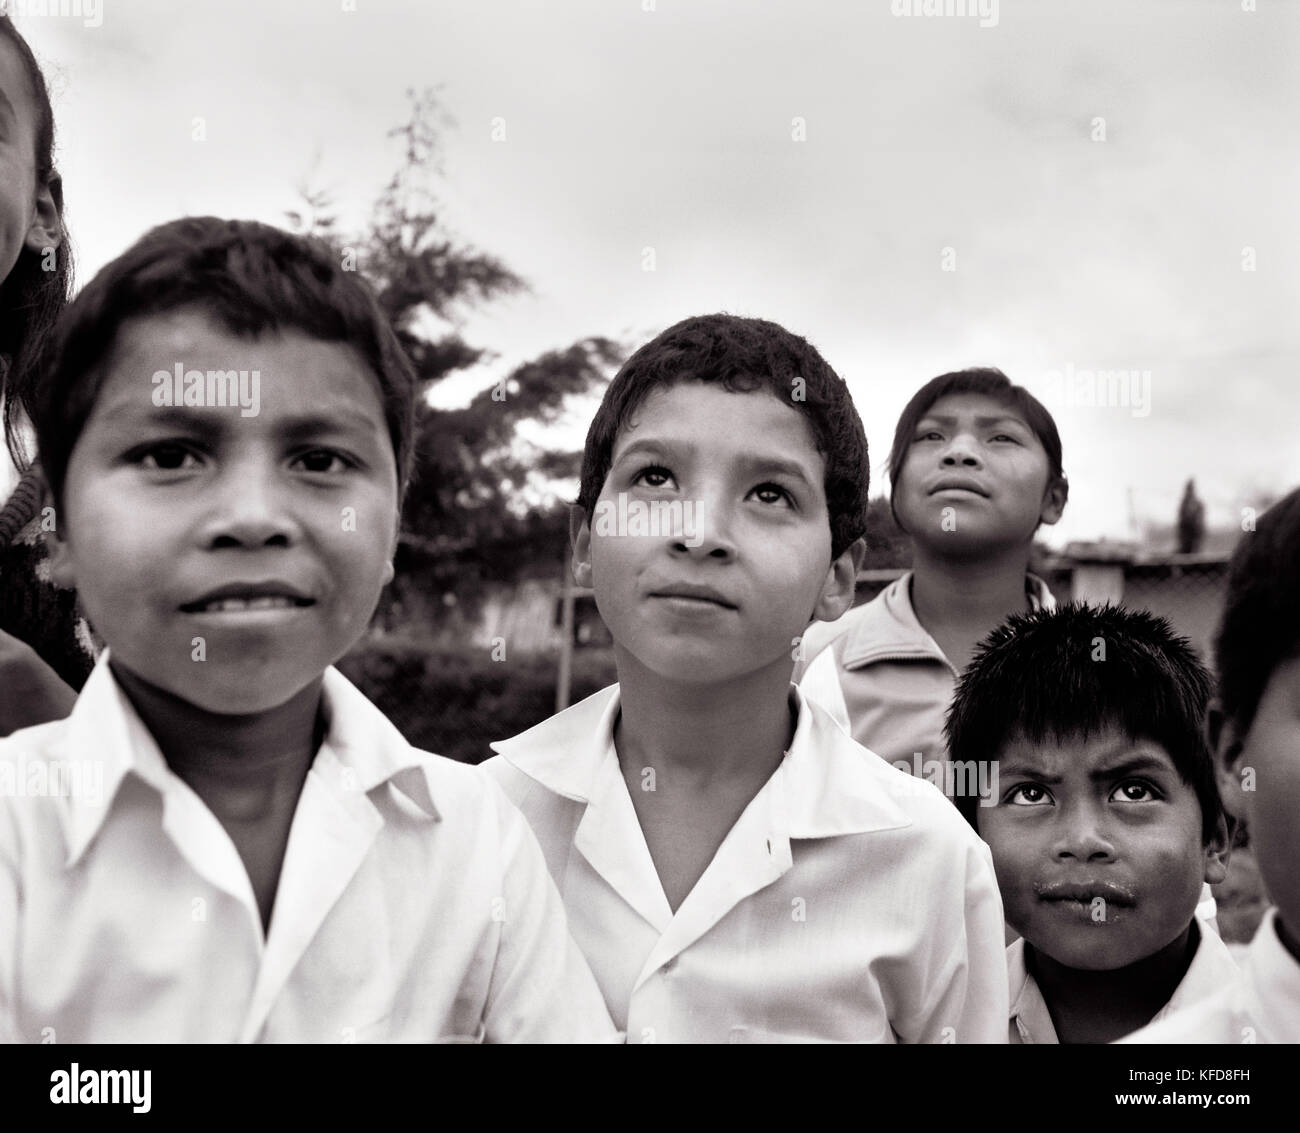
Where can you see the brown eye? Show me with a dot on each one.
(323, 460)
(167, 457)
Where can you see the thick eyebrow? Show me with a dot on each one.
(775, 466)
(1136, 764)
(209, 423)
(1011, 768)
(752, 465)
(982, 422)
(647, 446)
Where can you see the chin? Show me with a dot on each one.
(243, 695)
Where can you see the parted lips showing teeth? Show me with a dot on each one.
(252, 595)
(264, 602)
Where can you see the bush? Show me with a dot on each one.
(455, 701)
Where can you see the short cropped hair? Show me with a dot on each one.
(989, 382)
(1041, 676)
(1260, 628)
(743, 355)
(247, 277)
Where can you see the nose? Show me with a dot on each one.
(961, 450)
(1082, 836)
(253, 509)
(704, 531)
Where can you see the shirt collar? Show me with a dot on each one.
(832, 785)
(1031, 1022)
(1211, 968)
(888, 627)
(105, 729)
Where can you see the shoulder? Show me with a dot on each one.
(914, 807)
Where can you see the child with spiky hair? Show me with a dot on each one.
(1104, 820)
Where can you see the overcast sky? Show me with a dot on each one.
(1099, 174)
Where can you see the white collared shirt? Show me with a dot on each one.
(1260, 1004)
(850, 902)
(413, 903)
(1031, 1023)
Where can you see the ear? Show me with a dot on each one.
(580, 542)
(390, 567)
(841, 579)
(1226, 745)
(1058, 491)
(62, 572)
(1217, 851)
(46, 228)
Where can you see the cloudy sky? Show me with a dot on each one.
(1056, 188)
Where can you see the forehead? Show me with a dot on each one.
(707, 418)
(1079, 757)
(296, 374)
(16, 95)
(977, 408)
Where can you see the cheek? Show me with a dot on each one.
(1013, 856)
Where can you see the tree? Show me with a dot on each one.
(480, 506)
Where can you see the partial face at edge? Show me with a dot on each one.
(28, 216)
(1262, 785)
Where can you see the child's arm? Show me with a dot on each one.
(30, 691)
(542, 989)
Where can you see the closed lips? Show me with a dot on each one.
(1074, 891)
(695, 593)
(958, 485)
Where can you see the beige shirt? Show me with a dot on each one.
(1030, 1022)
(883, 678)
(849, 903)
(414, 904)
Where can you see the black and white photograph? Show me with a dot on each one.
(650, 522)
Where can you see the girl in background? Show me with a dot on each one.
(42, 654)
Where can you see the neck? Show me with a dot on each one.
(968, 593)
(238, 765)
(1099, 1007)
(732, 729)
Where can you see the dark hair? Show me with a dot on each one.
(1035, 678)
(247, 277)
(1260, 628)
(989, 382)
(743, 355)
(31, 297)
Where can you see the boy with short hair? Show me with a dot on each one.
(1254, 730)
(1105, 821)
(735, 867)
(226, 841)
